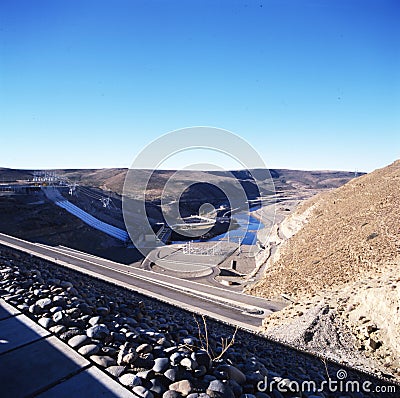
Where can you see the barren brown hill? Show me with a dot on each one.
(338, 260)
(342, 234)
(113, 178)
(12, 175)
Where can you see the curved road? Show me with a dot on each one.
(224, 305)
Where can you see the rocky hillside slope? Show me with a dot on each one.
(350, 230)
(343, 252)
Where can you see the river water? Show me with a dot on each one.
(247, 231)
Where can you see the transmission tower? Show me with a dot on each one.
(72, 189)
(106, 202)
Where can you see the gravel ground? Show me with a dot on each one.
(156, 350)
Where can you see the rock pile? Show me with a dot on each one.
(153, 349)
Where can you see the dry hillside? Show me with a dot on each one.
(340, 264)
(348, 231)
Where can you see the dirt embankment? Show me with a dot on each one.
(346, 232)
(342, 254)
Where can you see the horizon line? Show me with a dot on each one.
(180, 169)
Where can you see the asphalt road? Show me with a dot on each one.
(231, 307)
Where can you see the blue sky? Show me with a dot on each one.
(310, 84)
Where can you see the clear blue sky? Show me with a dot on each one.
(310, 84)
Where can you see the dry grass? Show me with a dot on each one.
(352, 230)
(226, 343)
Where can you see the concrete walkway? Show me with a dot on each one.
(34, 363)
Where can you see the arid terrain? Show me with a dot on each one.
(339, 266)
(113, 178)
(35, 218)
(334, 260)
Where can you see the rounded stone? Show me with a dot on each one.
(130, 380)
(144, 349)
(89, 349)
(171, 374)
(78, 341)
(157, 387)
(115, 370)
(66, 284)
(202, 358)
(233, 373)
(222, 389)
(144, 363)
(59, 301)
(145, 374)
(58, 329)
(190, 341)
(160, 365)
(34, 309)
(171, 394)
(85, 309)
(111, 351)
(103, 360)
(94, 320)
(61, 317)
(175, 358)
(74, 313)
(98, 332)
(200, 371)
(102, 311)
(53, 310)
(189, 363)
(170, 350)
(44, 303)
(130, 321)
(118, 337)
(46, 322)
(236, 388)
(184, 387)
(128, 358)
(69, 333)
(142, 392)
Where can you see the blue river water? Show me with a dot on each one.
(247, 231)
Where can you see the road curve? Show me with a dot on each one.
(221, 304)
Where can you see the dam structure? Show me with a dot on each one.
(55, 196)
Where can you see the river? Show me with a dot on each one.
(247, 231)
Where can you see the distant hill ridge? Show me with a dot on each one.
(113, 178)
